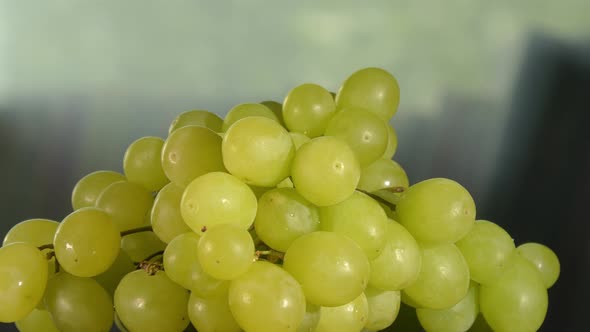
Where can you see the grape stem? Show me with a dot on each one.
(136, 230)
(46, 246)
(272, 256)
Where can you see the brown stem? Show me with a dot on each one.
(46, 246)
(137, 230)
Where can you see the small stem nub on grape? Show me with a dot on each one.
(204, 229)
(270, 255)
(137, 230)
(46, 246)
(151, 268)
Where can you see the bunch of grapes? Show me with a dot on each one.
(280, 217)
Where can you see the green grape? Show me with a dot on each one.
(400, 261)
(141, 245)
(383, 174)
(78, 304)
(372, 88)
(212, 313)
(127, 203)
(405, 299)
(544, 260)
(217, 198)
(383, 308)
(350, 317)
(276, 108)
(167, 222)
(325, 171)
(443, 279)
(196, 118)
(299, 139)
(36, 232)
(459, 317)
(365, 133)
(391, 143)
(264, 144)
(311, 318)
(517, 300)
(37, 320)
(332, 269)
(226, 251)
(119, 324)
(87, 190)
(182, 265)
(486, 248)
(111, 277)
(284, 215)
(142, 163)
(360, 218)
(241, 111)
(266, 299)
(87, 242)
(23, 277)
(436, 211)
(307, 109)
(190, 152)
(148, 303)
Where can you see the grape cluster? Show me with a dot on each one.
(280, 217)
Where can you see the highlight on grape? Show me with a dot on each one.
(287, 216)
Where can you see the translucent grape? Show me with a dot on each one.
(212, 313)
(459, 317)
(391, 143)
(127, 203)
(383, 308)
(486, 248)
(142, 163)
(311, 318)
(226, 251)
(196, 118)
(372, 88)
(360, 218)
(141, 245)
(307, 109)
(23, 277)
(78, 304)
(350, 317)
(217, 198)
(111, 277)
(265, 144)
(167, 222)
(190, 152)
(299, 139)
(87, 242)
(284, 215)
(276, 108)
(37, 320)
(149, 303)
(266, 299)
(436, 211)
(544, 260)
(36, 232)
(332, 269)
(325, 171)
(382, 174)
(246, 110)
(87, 190)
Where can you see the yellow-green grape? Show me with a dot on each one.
(217, 198)
(241, 111)
(391, 143)
(383, 174)
(307, 109)
(443, 279)
(299, 139)
(142, 163)
(350, 317)
(23, 277)
(436, 211)
(226, 251)
(87, 242)
(37, 320)
(190, 152)
(311, 319)
(544, 260)
(88, 188)
(266, 299)
(383, 308)
(196, 118)
(486, 248)
(182, 266)
(141, 245)
(284, 215)
(212, 313)
(78, 304)
(127, 203)
(332, 268)
(36, 232)
(372, 88)
(111, 277)
(459, 317)
(151, 303)
(258, 151)
(517, 300)
(167, 222)
(400, 260)
(325, 171)
(119, 324)
(276, 108)
(363, 131)
(360, 218)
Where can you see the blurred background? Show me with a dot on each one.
(495, 95)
